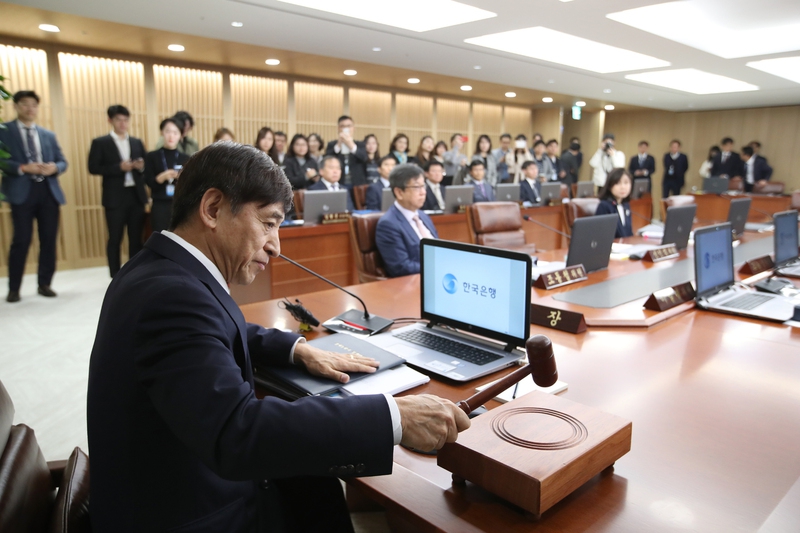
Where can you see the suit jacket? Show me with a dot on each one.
(761, 170)
(733, 166)
(649, 165)
(178, 437)
(154, 165)
(398, 243)
(357, 162)
(16, 187)
(431, 204)
(528, 194)
(375, 195)
(104, 160)
(297, 172)
(319, 186)
(675, 169)
(608, 207)
(486, 196)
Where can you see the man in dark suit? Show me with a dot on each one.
(643, 165)
(352, 154)
(482, 191)
(555, 162)
(434, 192)
(330, 175)
(400, 229)
(756, 168)
(375, 190)
(676, 164)
(530, 187)
(179, 440)
(119, 158)
(727, 164)
(30, 185)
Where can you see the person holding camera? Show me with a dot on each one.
(606, 159)
(352, 155)
(517, 158)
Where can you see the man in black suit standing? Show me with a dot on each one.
(119, 158)
(756, 168)
(643, 165)
(179, 440)
(727, 164)
(352, 154)
(676, 164)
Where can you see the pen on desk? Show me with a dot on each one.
(514, 394)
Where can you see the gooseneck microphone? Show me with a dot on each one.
(353, 318)
(529, 219)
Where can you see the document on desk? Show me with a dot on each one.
(524, 387)
(392, 381)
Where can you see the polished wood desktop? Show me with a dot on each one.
(762, 207)
(714, 400)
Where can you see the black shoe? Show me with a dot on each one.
(45, 290)
(13, 296)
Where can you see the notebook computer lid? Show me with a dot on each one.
(318, 203)
(507, 192)
(679, 225)
(737, 214)
(591, 241)
(713, 259)
(715, 185)
(585, 190)
(456, 196)
(786, 249)
(550, 191)
(640, 186)
(387, 199)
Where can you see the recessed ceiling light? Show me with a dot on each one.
(784, 67)
(49, 27)
(477, 67)
(566, 49)
(413, 80)
(711, 31)
(176, 47)
(692, 80)
(551, 81)
(566, 0)
(438, 13)
(466, 87)
(609, 107)
(376, 48)
(607, 91)
(273, 62)
(580, 103)
(350, 72)
(237, 24)
(547, 99)
(511, 94)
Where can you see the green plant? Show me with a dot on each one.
(4, 97)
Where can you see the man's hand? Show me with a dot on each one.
(330, 364)
(48, 169)
(126, 166)
(139, 164)
(429, 421)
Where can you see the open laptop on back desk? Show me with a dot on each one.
(319, 203)
(786, 245)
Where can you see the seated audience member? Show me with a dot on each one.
(483, 153)
(439, 151)
(727, 164)
(756, 169)
(375, 190)
(224, 134)
(705, 168)
(643, 165)
(280, 146)
(546, 170)
(330, 174)
(162, 168)
(265, 141)
(424, 151)
(676, 165)
(500, 154)
(517, 158)
(316, 147)
(399, 149)
(434, 191)
(373, 157)
(400, 229)
(482, 191)
(454, 160)
(301, 169)
(352, 154)
(551, 154)
(614, 199)
(530, 186)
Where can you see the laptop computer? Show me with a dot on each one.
(550, 192)
(507, 192)
(737, 214)
(716, 286)
(640, 187)
(591, 241)
(585, 190)
(715, 185)
(477, 303)
(786, 245)
(456, 196)
(318, 203)
(678, 226)
(387, 199)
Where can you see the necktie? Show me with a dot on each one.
(423, 231)
(335, 187)
(483, 191)
(33, 155)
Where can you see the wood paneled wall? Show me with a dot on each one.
(414, 118)
(488, 119)
(548, 123)
(197, 91)
(256, 102)
(517, 120)
(373, 110)
(318, 108)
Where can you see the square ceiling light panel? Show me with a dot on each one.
(557, 47)
(784, 67)
(414, 15)
(686, 23)
(693, 81)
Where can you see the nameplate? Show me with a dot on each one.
(549, 317)
(559, 278)
(461, 209)
(757, 266)
(662, 253)
(335, 218)
(670, 297)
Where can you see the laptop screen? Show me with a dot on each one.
(482, 290)
(785, 237)
(713, 259)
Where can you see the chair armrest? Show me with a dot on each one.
(57, 471)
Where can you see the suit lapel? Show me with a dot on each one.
(410, 233)
(113, 147)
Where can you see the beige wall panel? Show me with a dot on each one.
(452, 116)
(548, 123)
(414, 118)
(258, 102)
(488, 119)
(518, 120)
(318, 107)
(372, 113)
(197, 91)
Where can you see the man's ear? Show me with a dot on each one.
(210, 207)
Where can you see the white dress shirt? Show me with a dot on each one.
(36, 141)
(436, 188)
(749, 167)
(330, 186)
(384, 182)
(124, 147)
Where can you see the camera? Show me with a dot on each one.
(608, 146)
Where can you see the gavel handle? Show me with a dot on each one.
(476, 400)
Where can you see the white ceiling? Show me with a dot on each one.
(275, 24)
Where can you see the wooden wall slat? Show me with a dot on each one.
(318, 107)
(414, 118)
(488, 119)
(517, 120)
(197, 91)
(452, 116)
(372, 113)
(258, 102)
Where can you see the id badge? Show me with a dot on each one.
(170, 190)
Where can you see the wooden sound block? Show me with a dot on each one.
(537, 449)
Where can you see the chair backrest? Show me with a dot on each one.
(564, 191)
(496, 224)
(675, 201)
(362, 238)
(796, 200)
(769, 187)
(299, 196)
(360, 196)
(735, 184)
(579, 208)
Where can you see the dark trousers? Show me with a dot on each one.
(160, 214)
(131, 214)
(670, 186)
(41, 206)
(285, 506)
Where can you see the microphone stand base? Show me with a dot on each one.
(353, 321)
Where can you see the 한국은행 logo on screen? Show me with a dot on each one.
(450, 283)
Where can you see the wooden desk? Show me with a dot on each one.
(715, 405)
(715, 206)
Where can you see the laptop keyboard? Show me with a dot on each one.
(747, 301)
(459, 350)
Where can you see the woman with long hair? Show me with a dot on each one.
(483, 153)
(265, 141)
(316, 147)
(373, 157)
(424, 151)
(399, 148)
(301, 170)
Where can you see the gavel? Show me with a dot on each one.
(541, 365)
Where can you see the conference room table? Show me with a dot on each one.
(714, 402)
(762, 206)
